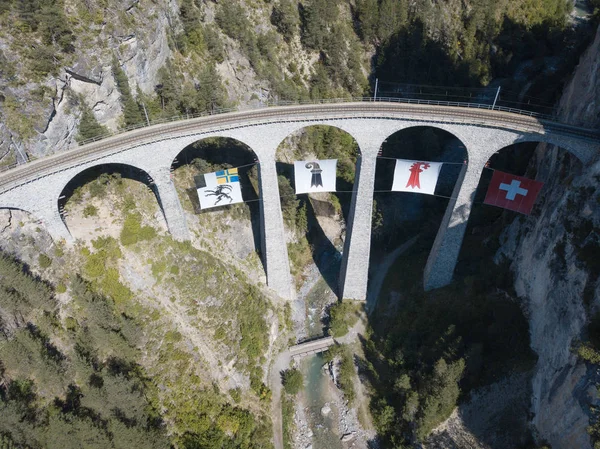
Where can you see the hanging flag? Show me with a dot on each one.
(221, 177)
(416, 176)
(315, 176)
(222, 188)
(512, 192)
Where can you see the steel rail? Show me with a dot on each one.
(294, 113)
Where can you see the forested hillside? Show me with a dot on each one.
(68, 67)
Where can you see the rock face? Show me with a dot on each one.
(551, 273)
(137, 37)
(494, 417)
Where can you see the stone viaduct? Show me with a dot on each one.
(36, 186)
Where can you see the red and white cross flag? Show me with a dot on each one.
(512, 192)
(416, 176)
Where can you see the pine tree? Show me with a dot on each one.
(211, 94)
(88, 125)
(285, 18)
(131, 110)
(368, 17)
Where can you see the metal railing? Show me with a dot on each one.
(218, 111)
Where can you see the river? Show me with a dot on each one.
(317, 394)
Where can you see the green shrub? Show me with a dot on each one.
(588, 353)
(285, 18)
(61, 288)
(44, 261)
(71, 323)
(134, 232)
(236, 394)
(111, 286)
(59, 251)
(346, 377)
(343, 315)
(90, 211)
(287, 417)
(97, 189)
(292, 381)
(220, 333)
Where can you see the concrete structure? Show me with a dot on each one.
(36, 187)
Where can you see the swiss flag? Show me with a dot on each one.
(512, 192)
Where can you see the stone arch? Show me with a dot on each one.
(452, 129)
(92, 173)
(405, 224)
(295, 127)
(529, 157)
(317, 226)
(227, 147)
(583, 151)
(212, 153)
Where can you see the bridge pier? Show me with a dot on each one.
(354, 273)
(53, 222)
(273, 240)
(170, 204)
(448, 241)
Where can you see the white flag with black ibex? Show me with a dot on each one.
(315, 176)
(222, 188)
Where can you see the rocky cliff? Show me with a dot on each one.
(41, 116)
(552, 255)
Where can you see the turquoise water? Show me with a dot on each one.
(323, 427)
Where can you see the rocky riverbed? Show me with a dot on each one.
(323, 419)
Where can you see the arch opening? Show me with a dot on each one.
(316, 222)
(98, 200)
(238, 224)
(540, 161)
(405, 223)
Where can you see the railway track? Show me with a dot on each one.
(374, 110)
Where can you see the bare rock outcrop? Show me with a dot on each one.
(47, 112)
(558, 288)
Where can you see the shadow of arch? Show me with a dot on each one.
(218, 153)
(103, 173)
(314, 216)
(530, 159)
(404, 221)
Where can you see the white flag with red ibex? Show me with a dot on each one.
(315, 176)
(416, 176)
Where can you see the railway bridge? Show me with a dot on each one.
(36, 187)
